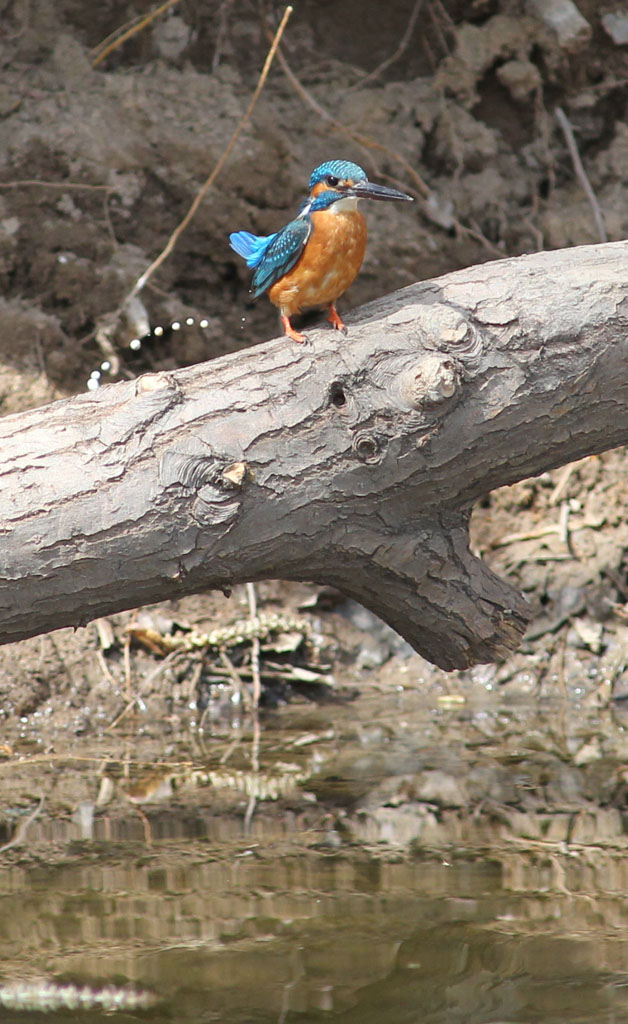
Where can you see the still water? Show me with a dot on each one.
(144, 889)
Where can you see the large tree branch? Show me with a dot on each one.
(353, 461)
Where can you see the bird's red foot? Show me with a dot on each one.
(334, 318)
(290, 332)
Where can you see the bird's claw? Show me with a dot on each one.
(290, 332)
(336, 321)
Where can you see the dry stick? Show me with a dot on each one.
(560, 487)
(127, 666)
(136, 25)
(447, 19)
(398, 52)
(55, 184)
(251, 595)
(250, 810)
(543, 531)
(220, 33)
(20, 831)
(234, 675)
(438, 28)
(125, 711)
(88, 759)
(581, 174)
(255, 647)
(174, 237)
(103, 334)
(248, 814)
(364, 140)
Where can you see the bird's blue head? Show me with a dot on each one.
(338, 179)
(333, 172)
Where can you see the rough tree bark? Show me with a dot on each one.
(353, 461)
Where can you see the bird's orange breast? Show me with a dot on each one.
(329, 263)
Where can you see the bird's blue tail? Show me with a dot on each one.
(250, 247)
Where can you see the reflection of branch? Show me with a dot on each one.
(255, 648)
(581, 174)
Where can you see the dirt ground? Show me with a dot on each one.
(99, 161)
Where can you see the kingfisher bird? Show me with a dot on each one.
(312, 260)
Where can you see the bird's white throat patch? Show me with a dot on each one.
(347, 205)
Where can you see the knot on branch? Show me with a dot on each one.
(452, 352)
(368, 447)
(206, 482)
(432, 380)
(456, 335)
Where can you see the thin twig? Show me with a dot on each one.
(209, 181)
(563, 526)
(545, 531)
(126, 649)
(536, 232)
(445, 15)
(255, 647)
(248, 814)
(20, 831)
(423, 189)
(257, 689)
(379, 70)
(581, 174)
(234, 675)
(120, 36)
(235, 743)
(250, 810)
(561, 486)
(220, 33)
(104, 668)
(125, 711)
(89, 759)
(105, 331)
(438, 28)
(362, 140)
(478, 236)
(66, 185)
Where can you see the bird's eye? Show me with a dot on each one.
(332, 180)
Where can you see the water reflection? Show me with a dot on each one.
(418, 864)
(268, 938)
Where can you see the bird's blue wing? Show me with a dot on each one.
(250, 247)
(281, 254)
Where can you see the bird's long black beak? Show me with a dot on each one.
(368, 190)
